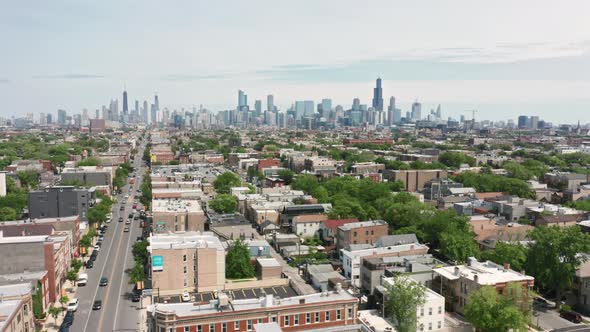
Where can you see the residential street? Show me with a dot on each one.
(118, 313)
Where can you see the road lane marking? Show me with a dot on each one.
(115, 212)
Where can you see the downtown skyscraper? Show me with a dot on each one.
(378, 96)
(125, 104)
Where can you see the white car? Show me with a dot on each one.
(73, 304)
(97, 248)
(185, 296)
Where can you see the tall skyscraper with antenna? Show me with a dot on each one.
(378, 96)
(125, 104)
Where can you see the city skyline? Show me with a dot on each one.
(526, 65)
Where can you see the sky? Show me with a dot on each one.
(502, 58)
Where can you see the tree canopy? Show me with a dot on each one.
(226, 181)
(224, 203)
(237, 262)
(553, 256)
(490, 312)
(402, 300)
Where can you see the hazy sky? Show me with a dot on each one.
(503, 58)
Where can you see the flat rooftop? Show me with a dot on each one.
(361, 224)
(176, 205)
(487, 273)
(268, 301)
(184, 240)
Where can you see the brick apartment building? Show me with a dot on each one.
(38, 253)
(187, 261)
(413, 180)
(362, 232)
(268, 163)
(178, 215)
(336, 310)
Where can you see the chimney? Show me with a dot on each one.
(506, 266)
(475, 278)
(456, 270)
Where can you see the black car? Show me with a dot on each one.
(103, 281)
(135, 297)
(122, 208)
(572, 316)
(68, 319)
(120, 219)
(97, 305)
(90, 264)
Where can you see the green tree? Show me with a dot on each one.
(77, 264)
(7, 213)
(89, 162)
(137, 274)
(72, 276)
(514, 254)
(38, 302)
(490, 312)
(402, 300)
(458, 245)
(29, 179)
(237, 262)
(554, 256)
(224, 203)
(54, 312)
(305, 182)
(226, 181)
(321, 194)
(286, 175)
(63, 300)
(455, 159)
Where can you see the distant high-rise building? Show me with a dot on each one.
(61, 117)
(258, 107)
(523, 122)
(356, 104)
(136, 110)
(326, 107)
(145, 112)
(309, 108)
(299, 110)
(49, 119)
(438, 112)
(534, 122)
(378, 96)
(416, 111)
(390, 111)
(242, 99)
(270, 103)
(125, 105)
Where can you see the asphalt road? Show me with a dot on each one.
(118, 313)
(549, 319)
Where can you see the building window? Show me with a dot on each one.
(308, 318)
(184, 269)
(429, 326)
(223, 327)
(429, 311)
(440, 309)
(354, 234)
(338, 314)
(274, 319)
(439, 324)
(421, 327)
(366, 232)
(187, 329)
(372, 232)
(211, 327)
(327, 316)
(184, 258)
(259, 320)
(350, 313)
(249, 325)
(199, 328)
(296, 319)
(236, 325)
(317, 317)
(421, 312)
(285, 320)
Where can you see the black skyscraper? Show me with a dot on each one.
(378, 96)
(125, 105)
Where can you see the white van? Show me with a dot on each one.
(82, 279)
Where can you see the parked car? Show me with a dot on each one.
(101, 238)
(73, 304)
(103, 281)
(126, 229)
(186, 296)
(572, 316)
(97, 246)
(68, 321)
(97, 305)
(135, 297)
(89, 264)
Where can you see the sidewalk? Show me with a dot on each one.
(52, 325)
